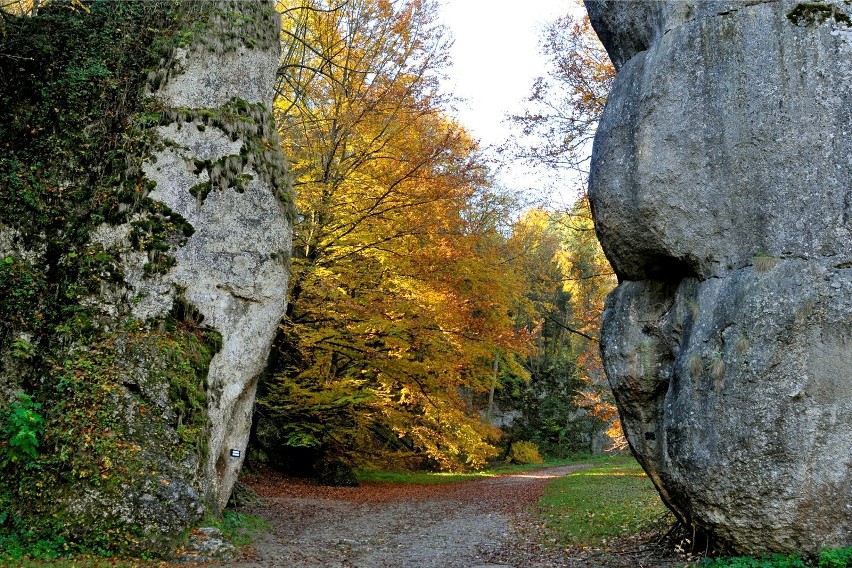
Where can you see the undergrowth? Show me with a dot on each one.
(238, 528)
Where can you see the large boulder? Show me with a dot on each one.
(220, 167)
(721, 195)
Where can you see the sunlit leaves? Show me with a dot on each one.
(399, 291)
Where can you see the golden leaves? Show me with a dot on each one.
(396, 292)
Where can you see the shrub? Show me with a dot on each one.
(525, 452)
(837, 558)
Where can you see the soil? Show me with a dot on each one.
(483, 523)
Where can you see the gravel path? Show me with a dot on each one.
(472, 524)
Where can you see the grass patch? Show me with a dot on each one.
(436, 478)
(611, 500)
(239, 529)
(836, 558)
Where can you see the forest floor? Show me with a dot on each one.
(479, 523)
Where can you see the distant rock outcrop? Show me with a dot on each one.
(720, 187)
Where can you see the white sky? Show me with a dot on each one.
(496, 57)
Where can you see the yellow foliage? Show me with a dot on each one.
(525, 452)
(399, 289)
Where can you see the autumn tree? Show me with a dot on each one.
(399, 294)
(560, 394)
(554, 133)
(17, 7)
(557, 127)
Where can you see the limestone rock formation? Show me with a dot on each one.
(720, 187)
(221, 176)
(145, 222)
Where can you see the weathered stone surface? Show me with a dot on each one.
(720, 189)
(206, 544)
(211, 78)
(145, 214)
(233, 269)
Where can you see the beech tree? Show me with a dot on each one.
(399, 294)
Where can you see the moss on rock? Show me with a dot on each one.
(124, 400)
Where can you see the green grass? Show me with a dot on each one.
(433, 478)
(837, 558)
(594, 505)
(238, 528)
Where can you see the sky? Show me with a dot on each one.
(496, 57)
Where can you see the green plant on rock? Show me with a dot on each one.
(239, 528)
(810, 13)
(22, 427)
(22, 349)
(836, 558)
(830, 558)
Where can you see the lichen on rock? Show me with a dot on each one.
(720, 190)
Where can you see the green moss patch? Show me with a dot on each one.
(811, 13)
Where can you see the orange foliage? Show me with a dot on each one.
(398, 295)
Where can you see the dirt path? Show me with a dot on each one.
(480, 523)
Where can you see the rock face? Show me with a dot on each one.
(145, 233)
(720, 187)
(222, 178)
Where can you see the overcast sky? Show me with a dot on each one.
(496, 57)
